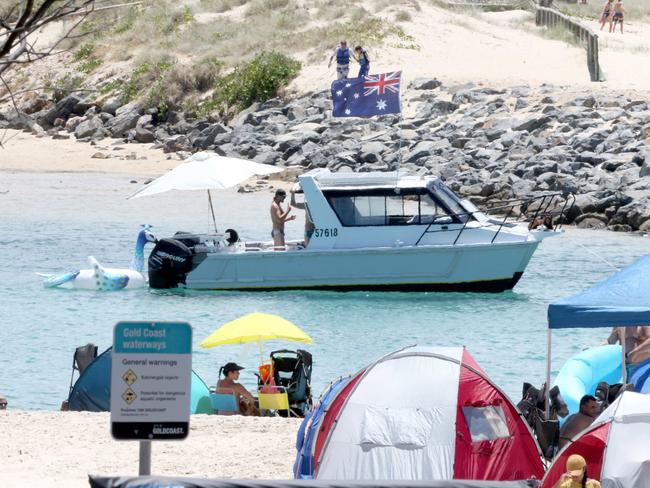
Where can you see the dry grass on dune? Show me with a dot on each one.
(199, 41)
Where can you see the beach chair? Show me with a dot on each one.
(83, 356)
(274, 402)
(224, 402)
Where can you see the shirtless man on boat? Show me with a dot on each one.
(278, 218)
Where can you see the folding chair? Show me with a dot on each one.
(224, 402)
(274, 402)
(83, 356)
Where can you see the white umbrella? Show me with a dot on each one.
(206, 171)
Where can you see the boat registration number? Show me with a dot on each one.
(333, 232)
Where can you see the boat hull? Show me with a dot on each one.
(478, 268)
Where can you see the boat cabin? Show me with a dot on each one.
(353, 210)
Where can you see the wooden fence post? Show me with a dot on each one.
(551, 18)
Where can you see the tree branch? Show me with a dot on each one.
(15, 47)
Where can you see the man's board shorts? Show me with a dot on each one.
(277, 232)
(618, 16)
(342, 71)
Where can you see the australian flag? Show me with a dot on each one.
(367, 96)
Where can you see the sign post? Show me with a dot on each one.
(151, 375)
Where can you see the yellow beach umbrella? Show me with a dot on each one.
(256, 327)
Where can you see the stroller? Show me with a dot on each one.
(291, 371)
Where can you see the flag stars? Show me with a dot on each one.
(339, 92)
(356, 95)
(348, 85)
(381, 104)
(347, 111)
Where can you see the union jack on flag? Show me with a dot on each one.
(367, 96)
(381, 83)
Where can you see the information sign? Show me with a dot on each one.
(151, 375)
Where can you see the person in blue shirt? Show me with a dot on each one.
(363, 60)
(342, 55)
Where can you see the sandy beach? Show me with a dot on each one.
(22, 151)
(60, 449)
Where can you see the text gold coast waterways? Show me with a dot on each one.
(146, 334)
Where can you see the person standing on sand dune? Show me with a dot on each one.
(361, 55)
(342, 55)
(607, 13)
(619, 10)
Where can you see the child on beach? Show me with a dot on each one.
(607, 13)
(363, 60)
(619, 10)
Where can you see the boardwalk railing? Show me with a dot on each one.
(552, 18)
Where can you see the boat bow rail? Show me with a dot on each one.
(527, 210)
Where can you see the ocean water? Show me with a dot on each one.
(51, 222)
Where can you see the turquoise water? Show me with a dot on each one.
(52, 222)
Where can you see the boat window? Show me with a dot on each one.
(370, 210)
(393, 209)
(432, 212)
(486, 423)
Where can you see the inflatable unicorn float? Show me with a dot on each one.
(106, 279)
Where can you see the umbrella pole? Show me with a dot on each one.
(624, 369)
(214, 221)
(547, 396)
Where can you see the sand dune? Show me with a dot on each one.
(499, 49)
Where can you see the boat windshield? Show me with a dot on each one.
(390, 209)
(451, 201)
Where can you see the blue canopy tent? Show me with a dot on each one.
(622, 300)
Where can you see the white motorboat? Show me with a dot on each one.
(373, 231)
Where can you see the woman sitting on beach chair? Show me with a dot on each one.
(229, 381)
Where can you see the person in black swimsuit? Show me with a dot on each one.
(619, 11)
(607, 13)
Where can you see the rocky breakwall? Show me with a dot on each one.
(487, 144)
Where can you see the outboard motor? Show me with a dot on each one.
(169, 263)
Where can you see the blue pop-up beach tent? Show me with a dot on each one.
(622, 300)
(92, 390)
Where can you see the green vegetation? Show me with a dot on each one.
(86, 58)
(147, 79)
(256, 81)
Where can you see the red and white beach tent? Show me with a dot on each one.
(616, 446)
(424, 414)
